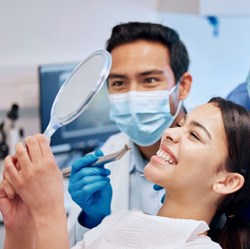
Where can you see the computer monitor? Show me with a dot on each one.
(90, 129)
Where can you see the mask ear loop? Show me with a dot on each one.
(180, 102)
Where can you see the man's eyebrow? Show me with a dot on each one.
(197, 124)
(145, 73)
(154, 71)
(115, 75)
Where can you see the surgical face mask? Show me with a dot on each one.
(142, 115)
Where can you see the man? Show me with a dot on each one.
(147, 83)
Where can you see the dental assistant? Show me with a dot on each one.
(241, 94)
(147, 84)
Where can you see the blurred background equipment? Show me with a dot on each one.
(4, 149)
(14, 133)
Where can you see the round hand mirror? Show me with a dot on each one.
(79, 89)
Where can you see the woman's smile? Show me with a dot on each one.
(166, 157)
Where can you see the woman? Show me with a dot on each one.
(202, 164)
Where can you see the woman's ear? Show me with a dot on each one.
(228, 182)
(185, 85)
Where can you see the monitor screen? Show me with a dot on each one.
(90, 129)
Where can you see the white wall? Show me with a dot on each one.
(218, 64)
(58, 30)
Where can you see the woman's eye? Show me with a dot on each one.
(193, 134)
(181, 123)
(178, 124)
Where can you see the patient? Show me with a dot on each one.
(203, 164)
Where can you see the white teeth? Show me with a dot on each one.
(165, 156)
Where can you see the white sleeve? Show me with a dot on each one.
(76, 233)
(79, 245)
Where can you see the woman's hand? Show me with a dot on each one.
(19, 224)
(39, 180)
(39, 183)
(16, 213)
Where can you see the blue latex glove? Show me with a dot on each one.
(90, 188)
(157, 187)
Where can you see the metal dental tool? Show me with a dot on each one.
(104, 159)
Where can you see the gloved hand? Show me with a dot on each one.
(157, 187)
(90, 188)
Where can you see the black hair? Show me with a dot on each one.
(135, 31)
(236, 206)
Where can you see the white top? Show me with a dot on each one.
(134, 229)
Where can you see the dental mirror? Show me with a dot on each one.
(79, 89)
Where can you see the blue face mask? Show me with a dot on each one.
(142, 115)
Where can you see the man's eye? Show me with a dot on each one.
(150, 80)
(116, 84)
